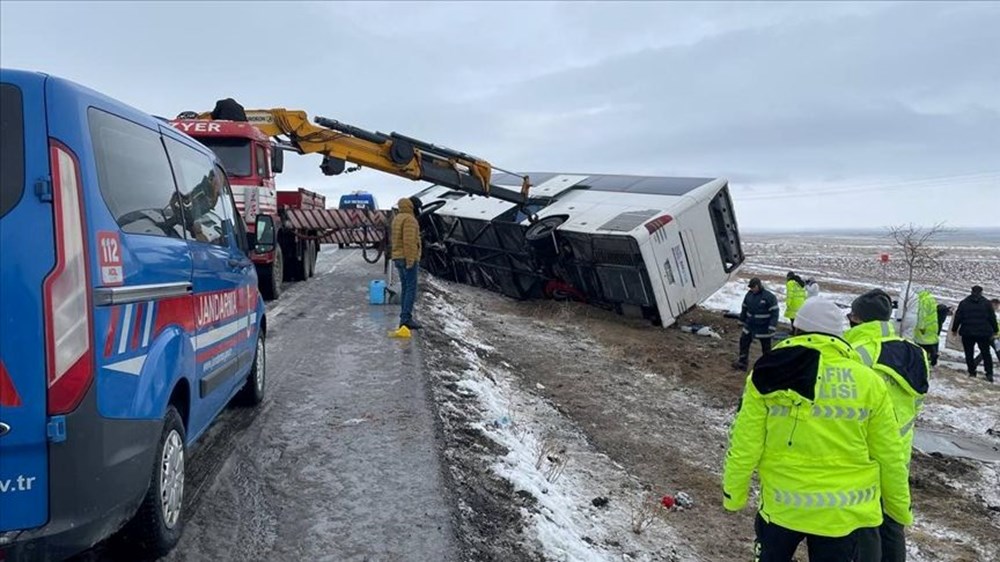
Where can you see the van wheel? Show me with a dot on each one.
(159, 522)
(270, 277)
(252, 392)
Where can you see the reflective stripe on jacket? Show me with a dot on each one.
(926, 332)
(819, 428)
(903, 366)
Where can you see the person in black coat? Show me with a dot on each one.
(759, 318)
(976, 322)
(996, 338)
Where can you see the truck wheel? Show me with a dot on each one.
(297, 267)
(160, 519)
(309, 260)
(252, 392)
(313, 254)
(270, 277)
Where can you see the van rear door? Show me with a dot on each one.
(27, 253)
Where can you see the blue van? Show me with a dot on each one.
(129, 317)
(358, 200)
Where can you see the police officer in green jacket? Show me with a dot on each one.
(819, 428)
(904, 367)
(925, 334)
(795, 295)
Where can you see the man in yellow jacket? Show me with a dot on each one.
(904, 367)
(405, 243)
(819, 428)
(795, 295)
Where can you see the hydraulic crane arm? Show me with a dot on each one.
(392, 153)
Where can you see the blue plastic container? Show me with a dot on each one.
(376, 291)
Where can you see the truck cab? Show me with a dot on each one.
(251, 164)
(129, 316)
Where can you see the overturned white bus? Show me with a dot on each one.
(646, 246)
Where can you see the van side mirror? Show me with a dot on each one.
(265, 234)
(277, 159)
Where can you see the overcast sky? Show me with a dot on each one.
(821, 115)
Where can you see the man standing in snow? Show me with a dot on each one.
(904, 368)
(795, 295)
(759, 317)
(976, 322)
(819, 428)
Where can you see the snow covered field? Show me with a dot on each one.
(583, 420)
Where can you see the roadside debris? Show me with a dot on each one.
(402, 332)
(600, 501)
(684, 500)
(701, 330)
(680, 500)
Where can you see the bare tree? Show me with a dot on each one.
(916, 244)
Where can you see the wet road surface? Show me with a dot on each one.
(341, 460)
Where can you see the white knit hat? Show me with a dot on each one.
(821, 316)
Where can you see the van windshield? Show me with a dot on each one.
(234, 153)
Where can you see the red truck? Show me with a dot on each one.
(252, 162)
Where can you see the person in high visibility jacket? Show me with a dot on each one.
(925, 334)
(819, 428)
(795, 295)
(904, 367)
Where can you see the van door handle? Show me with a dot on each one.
(4, 429)
(234, 263)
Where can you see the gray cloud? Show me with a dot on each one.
(789, 98)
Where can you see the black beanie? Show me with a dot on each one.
(873, 305)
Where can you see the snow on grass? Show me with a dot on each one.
(551, 460)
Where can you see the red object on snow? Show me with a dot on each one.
(667, 501)
(884, 258)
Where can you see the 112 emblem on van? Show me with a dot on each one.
(110, 250)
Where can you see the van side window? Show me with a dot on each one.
(261, 162)
(135, 176)
(201, 194)
(239, 229)
(11, 147)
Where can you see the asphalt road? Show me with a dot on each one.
(341, 461)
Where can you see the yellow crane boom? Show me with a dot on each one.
(391, 153)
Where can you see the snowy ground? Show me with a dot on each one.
(569, 404)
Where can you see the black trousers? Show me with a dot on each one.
(996, 351)
(932, 352)
(893, 538)
(970, 344)
(778, 544)
(746, 340)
